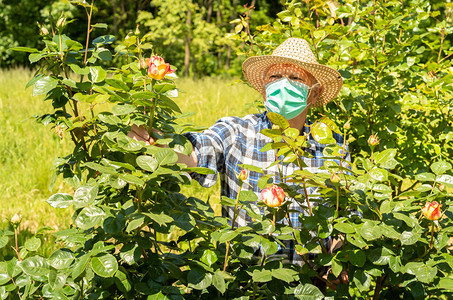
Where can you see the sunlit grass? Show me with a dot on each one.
(27, 149)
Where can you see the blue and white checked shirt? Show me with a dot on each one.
(232, 141)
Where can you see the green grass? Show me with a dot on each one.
(27, 149)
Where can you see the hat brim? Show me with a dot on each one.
(255, 67)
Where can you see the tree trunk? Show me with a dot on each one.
(209, 13)
(187, 48)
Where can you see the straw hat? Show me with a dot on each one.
(297, 52)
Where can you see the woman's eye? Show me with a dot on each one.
(297, 78)
(276, 76)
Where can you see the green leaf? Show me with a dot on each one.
(362, 280)
(100, 25)
(101, 168)
(380, 256)
(24, 49)
(89, 217)
(308, 292)
(445, 283)
(129, 144)
(166, 156)
(32, 244)
(219, 282)
(122, 109)
(85, 195)
(251, 168)
(378, 174)
(117, 84)
(385, 156)
(247, 196)
(269, 247)
(163, 87)
(78, 70)
(61, 259)
(161, 218)
(331, 124)
(135, 222)
(228, 236)
(35, 266)
(322, 133)
(344, 227)
(184, 221)
(60, 200)
(370, 231)
(425, 177)
(3, 241)
(122, 282)
(284, 274)
(199, 279)
(409, 237)
(44, 85)
(97, 74)
(356, 240)
(80, 265)
(262, 275)
(337, 267)
(130, 253)
(199, 170)
(147, 163)
(209, 257)
(132, 179)
(4, 277)
(104, 265)
(424, 273)
(445, 179)
(440, 167)
(278, 120)
(357, 258)
(104, 54)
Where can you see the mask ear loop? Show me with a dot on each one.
(309, 93)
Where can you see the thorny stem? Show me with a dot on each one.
(17, 247)
(306, 197)
(18, 292)
(88, 32)
(432, 235)
(338, 198)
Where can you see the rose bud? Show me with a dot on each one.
(441, 187)
(61, 22)
(347, 126)
(373, 140)
(15, 220)
(335, 178)
(243, 175)
(143, 63)
(431, 210)
(158, 68)
(273, 196)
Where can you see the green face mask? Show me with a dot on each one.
(286, 97)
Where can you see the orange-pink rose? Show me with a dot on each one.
(431, 210)
(273, 196)
(157, 68)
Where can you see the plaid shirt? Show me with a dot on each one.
(232, 141)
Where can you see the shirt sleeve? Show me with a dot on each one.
(211, 147)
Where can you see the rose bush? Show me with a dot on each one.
(135, 236)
